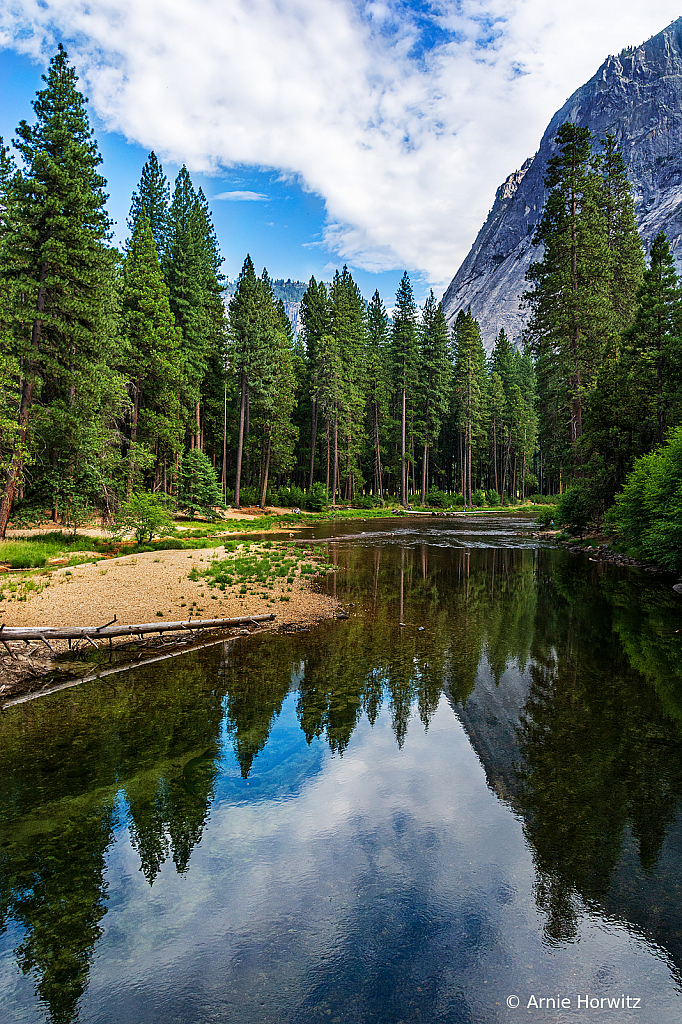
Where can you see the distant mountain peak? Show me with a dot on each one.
(637, 95)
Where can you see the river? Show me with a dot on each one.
(461, 804)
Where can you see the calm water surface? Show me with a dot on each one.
(368, 821)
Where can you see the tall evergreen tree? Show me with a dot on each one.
(470, 386)
(652, 342)
(571, 311)
(247, 351)
(435, 378)
(151, 362)
(377, 382)
(348, 325)
(58, 261)
(152, 200)
(404, 360)
(315, 317)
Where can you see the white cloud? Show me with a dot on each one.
(406, 145)
(242, 197)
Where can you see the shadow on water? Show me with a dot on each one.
(566, 675)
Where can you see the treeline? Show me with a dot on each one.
(129, 371)
(605, 329)
(123, 372)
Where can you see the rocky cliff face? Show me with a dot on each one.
(636, 95)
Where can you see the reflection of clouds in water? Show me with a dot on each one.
(390, 871)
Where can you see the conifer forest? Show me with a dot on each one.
(129, 372)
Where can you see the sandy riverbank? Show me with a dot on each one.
(135, 589)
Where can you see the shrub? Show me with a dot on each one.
(438, 499)
(574, 509)
(493, 498)
(478, 498)
(146, 515)
(647, 514)
(291, 497)
(547, 515)
(316, 499)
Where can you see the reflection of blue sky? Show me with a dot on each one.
(378, 884)
(281, 769)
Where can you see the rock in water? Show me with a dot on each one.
(638, 96)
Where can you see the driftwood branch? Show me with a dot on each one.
(46, 633)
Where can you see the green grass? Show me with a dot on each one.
(22, 554)
(258, 570)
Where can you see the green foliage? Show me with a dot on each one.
(574, 509)
(478, 498)
(145, 515)
(317, 499)
(438, 499)
(492, 498)
(199, 487)
(647, 514)
(547, 516)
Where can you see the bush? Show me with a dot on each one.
(248, 496)
(291, 497)
(316, 499)
(145, 515)
(647, 514)
(574, 509)
(366, 501)
(438, 499)
(478, 498)
(547, 515)
(493, 498)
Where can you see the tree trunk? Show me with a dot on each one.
(377, 449)
(264, 489)
(240, 442)
(224, 475)
(403, 466)
(336, 457)
(313, 440)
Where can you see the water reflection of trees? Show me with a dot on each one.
(601, 756)
(65, 763)
(599, 737)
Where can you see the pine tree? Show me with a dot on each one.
(404, 360)
(315, 317)
(435, 378)
(152, 200)
(151, 362)
(246, 352)
(571, 311)
(470, 387)
(58, 263)
(348, 325)
(652, 340)
(377, 381)
(623, 241)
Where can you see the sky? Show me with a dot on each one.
(371, 133)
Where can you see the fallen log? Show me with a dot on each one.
(100, 673)
(46, 633)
